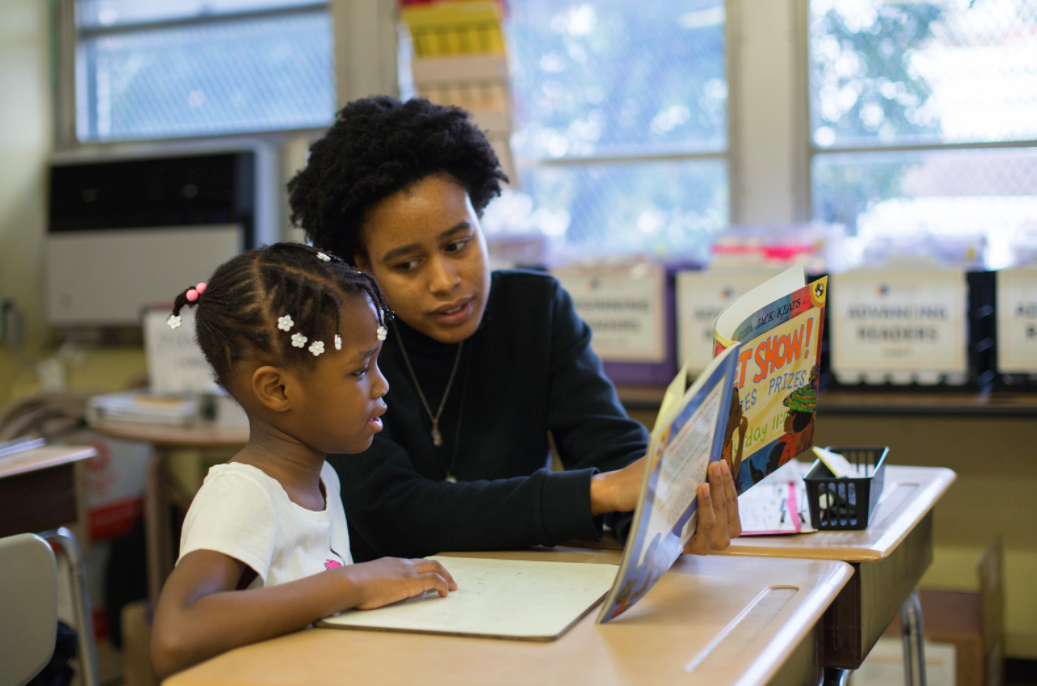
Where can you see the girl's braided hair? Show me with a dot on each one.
(237, 317)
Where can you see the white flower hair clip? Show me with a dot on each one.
(298, 340)
(321, 256)
(338, 342)
(174, 322)
(317, 347)
(285, 323)
(381, 332)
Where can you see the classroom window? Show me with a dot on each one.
(923, 120)
(621, 133)
(180, 68)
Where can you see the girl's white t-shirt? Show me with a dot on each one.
(245, 514)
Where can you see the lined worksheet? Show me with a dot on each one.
(521, 599)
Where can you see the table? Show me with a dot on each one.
(156, 504)
(38, 492)
(710, 620)
(38, 488)
(889, 558)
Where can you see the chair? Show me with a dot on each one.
(28, 606)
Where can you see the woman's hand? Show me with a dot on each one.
(390, 579)
(718, 519)
(617, 491)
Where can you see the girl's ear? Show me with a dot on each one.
(272, 387)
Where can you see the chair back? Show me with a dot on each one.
(28, 607)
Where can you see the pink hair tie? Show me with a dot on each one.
(193, 293)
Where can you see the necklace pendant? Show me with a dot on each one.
(450, 478)
(437, 438)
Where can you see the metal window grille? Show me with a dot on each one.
(184, 68)
(621, 124)
(923, 119)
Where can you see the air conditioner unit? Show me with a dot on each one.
(133, 228)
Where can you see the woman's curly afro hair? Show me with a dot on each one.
(378, 147)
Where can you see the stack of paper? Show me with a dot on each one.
(141, 408)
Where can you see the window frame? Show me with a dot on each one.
(729, 155)
(812, 150)
(69, 80)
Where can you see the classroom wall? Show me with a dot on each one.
(25, 143)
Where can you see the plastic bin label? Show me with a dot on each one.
(625, 308)
(701, 296)
(1017, 321)
(886, 320)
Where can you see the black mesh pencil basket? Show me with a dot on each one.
(846, 503)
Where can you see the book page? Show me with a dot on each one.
(686, 439)
(730, 320)
(523, 599)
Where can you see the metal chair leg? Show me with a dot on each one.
(66, 540)
(833, 676)
(914, 637)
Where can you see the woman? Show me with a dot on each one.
(482, 367)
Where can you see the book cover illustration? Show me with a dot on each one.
(688, 435)
(772, 410)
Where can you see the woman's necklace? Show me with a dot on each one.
(437, 437)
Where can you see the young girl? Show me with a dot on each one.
(294, 335)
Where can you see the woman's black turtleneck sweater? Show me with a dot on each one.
(528, 371)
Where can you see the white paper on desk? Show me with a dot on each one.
(764, 509)
(760, 507)
(521, 599)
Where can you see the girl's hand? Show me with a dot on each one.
(391, 579)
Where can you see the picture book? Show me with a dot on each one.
(778, 327)
(687, 437)
(753, 407)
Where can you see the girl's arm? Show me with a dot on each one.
(200, 614)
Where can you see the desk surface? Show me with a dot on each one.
(688, 617)
(915, 491)
(43, 458)
(197, 437)
(908, 402)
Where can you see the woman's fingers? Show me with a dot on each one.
(721, 537)
(734, 519)
(700, 542)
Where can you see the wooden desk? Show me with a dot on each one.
(156, 505)
(38, 488)
(889, 559)
(38, 495)
(692, 617)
